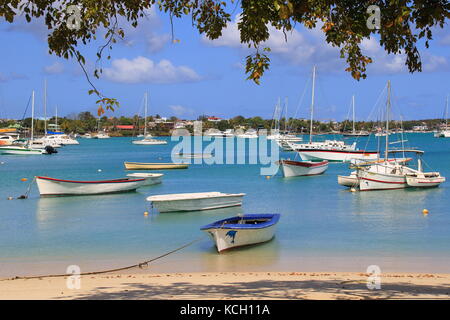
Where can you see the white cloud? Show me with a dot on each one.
(11, 76)
(143, 70)
(157, 42)
(179, 111)
(307, 47)
(55, 68)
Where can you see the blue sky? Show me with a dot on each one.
(197, 76)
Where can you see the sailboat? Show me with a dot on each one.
(331, 150)
(281, 138)
(444, 132)
(388, 175)
(354, 133)
(27, 149)
(147, 138)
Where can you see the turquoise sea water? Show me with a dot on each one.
(323, 226)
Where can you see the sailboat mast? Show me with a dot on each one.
(56, 117)
(32, 117)
(285, 115)
(145, 115)
(353, 104)
(45, 107)
(312, 104)
(446, 112)
(388, 109)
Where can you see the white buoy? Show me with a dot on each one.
(99, 170)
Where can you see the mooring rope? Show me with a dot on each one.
(25, 196)
(140, 265)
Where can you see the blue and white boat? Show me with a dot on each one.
(242, 230)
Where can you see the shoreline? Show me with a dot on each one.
(267, 285)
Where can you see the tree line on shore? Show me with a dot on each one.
(85, 122)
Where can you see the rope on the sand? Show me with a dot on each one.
(140, 265)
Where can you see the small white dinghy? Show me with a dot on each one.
(151, 178)
(348, 181)
(242, 230)
(57, 187)
(195, 201)
(424, 180)
(292, 168)
(420, 179)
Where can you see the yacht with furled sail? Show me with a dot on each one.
(331, 150)
(444, 131)
(388, 175)
(147, 138)
(354, 133)
(27, 149)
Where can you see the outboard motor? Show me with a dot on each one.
(50, 150)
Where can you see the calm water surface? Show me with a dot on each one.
(323, 226)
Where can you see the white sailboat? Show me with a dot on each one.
(388, 175)
(354, 133)
(281, 139)
(445, 131)
(147, 138)
(27, 149)
(331, 150)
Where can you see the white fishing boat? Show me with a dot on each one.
(242, 231)
(388, 175)
(292, 168)
(352, 179)
(154, 166)
(58, 187)
(424, 180)
(348, 181)
(331, 150)
(150, 178)
(195, 201)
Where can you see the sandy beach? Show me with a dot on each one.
(232, 285)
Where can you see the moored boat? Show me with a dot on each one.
(348, 181)
(293, 168)
(242, 230)
(154, 166)
(424, 180)
(151, 178)
(195, 201)
(58, 187)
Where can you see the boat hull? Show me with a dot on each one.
(154, 166)
(198, 204)
(21, 151)
(418, 182)
(56, 187)
(348, 181)
(302, 168)
(149, 142)
(150, 178)
(337, 156)
(380, 181)
(236, 235)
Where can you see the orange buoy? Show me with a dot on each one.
(425, 211)
(24, 179)
(146, 213)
